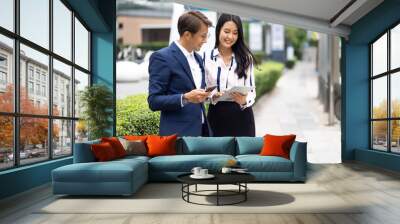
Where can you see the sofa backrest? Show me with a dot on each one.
(249, 145)
(206, 145)
(83, 152)
(190, 146)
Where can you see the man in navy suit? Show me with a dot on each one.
(177, 80)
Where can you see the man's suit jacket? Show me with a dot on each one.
(170, 77)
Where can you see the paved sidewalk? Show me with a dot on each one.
(125, 89)
(292, 107)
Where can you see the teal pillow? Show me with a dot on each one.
(249, 145)
(208, 145)
(83, 152)
(178, 145)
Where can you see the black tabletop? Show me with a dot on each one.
(220, 178)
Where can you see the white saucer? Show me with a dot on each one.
(208, 176)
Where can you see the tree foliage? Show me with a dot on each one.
(296, 37)
(97, 103)
(379, 128)
(33, 131)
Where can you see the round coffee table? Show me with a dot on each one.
(238, 179)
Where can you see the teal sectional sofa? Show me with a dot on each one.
(125, 176)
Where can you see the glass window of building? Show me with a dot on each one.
(34, 21)
(3, 78)
(37, 89)
(62, 137)
(43, 90)
(81, 82)
(6, 142)
(55, 102)
(45, 131)
(37, 74)
(30, 71)
(62, 29)
(62, 74)
(33, 140)
(379, 56)
(385, 94)
(81, 45)
(3, 61)
(7, 14)
(6, 73)
(3, 71)
(40, 62)
(30, 87)
(395, 47)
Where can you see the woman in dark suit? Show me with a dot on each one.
(230, 64)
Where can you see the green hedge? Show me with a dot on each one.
(290, 63)
(266, 75)
(259, 56)
(135, 118)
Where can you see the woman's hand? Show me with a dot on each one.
(239, 98)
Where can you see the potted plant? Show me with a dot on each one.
(96, 102)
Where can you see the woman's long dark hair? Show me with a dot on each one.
(243, 55)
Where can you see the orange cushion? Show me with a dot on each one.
(161, 145)
(277, 145)
(103, 152)
(116, 145)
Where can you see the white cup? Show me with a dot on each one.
(196, 171)
(203, 172)
(226, 170)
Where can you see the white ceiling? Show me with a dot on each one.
(314, 15)
(322, 9)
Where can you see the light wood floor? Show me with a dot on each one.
(377, 188)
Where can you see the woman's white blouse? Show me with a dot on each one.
(228, 78)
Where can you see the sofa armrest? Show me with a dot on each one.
(298, 155)
(83, 152)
